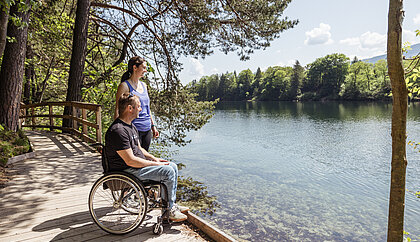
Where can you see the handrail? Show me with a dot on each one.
(75, 117)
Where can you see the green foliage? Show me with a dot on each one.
(12, 144)
(329, 77)
(176, 113)
(412, 81)
(326, 75)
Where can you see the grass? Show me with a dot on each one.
(12, 144)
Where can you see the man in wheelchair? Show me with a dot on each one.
(124, 153)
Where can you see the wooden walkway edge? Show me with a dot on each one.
(47, 198)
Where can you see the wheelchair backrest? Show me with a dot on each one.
(105, 164)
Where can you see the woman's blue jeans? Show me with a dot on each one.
(166, 174)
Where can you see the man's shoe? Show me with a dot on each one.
(176, 216)
(183, 209)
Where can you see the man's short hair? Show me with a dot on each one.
(125, 100)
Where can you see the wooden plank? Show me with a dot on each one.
(84, 117)
(33, 118)
(50, 113)
(209, 229)
(43, 126)
(89, 106)
(99, 123)
(74, 114)
(80, 134)
(48, 197)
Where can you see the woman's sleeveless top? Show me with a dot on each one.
(143, 122)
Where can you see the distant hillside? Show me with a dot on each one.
(415, 49)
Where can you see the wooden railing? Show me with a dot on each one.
(32, 113)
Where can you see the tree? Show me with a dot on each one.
(4, 18)
(383, 84)
(358, 83)
(49, 51)
(326, 74)
(245, 78)
(78, 56)
(223, 87)
(257, 82)
(297, 78)
(275, 83)
(166, 30)
(12, 68)
(399, 122)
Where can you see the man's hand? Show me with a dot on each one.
(161, 160)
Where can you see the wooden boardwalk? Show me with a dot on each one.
(47, 198)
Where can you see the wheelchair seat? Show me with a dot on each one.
(119, 201)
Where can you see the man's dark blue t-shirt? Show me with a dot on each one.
(121, 136)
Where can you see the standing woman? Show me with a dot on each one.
(130, 82)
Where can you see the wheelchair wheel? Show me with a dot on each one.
(118, 203)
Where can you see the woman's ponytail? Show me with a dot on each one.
(125, 76)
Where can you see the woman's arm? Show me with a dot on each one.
(154, 128)
(122, 88)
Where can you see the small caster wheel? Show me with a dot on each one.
(158, 229)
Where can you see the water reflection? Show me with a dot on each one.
(320, 110)
(289, 171)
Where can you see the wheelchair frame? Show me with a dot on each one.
(118, 201)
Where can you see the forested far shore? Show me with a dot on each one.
(333, 77)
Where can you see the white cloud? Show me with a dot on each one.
(290, 62)
(319, 35)
(197, 68)
(410, 36)
(373, 40)
(214, 71)
(367, 41)
(416, 19)
(350, 41)
(280, 63)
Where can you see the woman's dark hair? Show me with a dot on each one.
(136, 60)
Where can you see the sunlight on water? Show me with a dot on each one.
(302, 171)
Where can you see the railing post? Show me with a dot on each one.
(84, 126)
(50, 113)
(99, 123)
(22, 113)
(33, 118)
(74, 115)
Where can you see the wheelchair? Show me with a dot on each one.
(119, 202)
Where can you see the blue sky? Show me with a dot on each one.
(352, 27)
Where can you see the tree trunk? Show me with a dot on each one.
(399, 120)
(29, 70)
(78, 56)
(11, 74)
(4, 17)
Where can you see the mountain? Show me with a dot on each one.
(415, 49)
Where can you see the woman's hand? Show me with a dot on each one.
(155, 132)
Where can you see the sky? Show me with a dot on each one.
(352, 27)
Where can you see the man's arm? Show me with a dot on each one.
(148, 155)
(133, 161)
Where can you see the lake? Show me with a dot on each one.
(286, 171)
